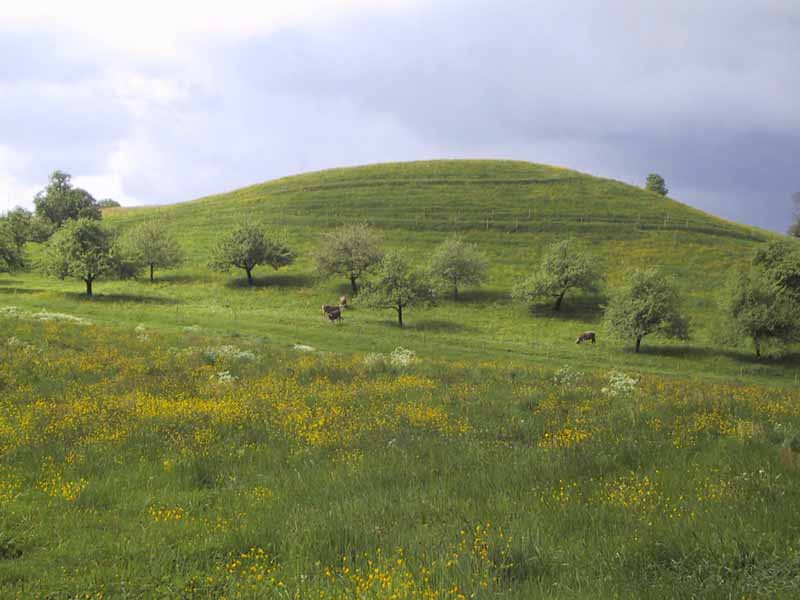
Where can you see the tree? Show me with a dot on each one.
(455, 264)
(779, 261)
(11, 256)
(153, 247)
(564, 266)
(795, 227)
(655, 183)
(20, 223)
(59, 202)
(760, 310)
(648, 304)
(350, 250)
(108, 203)
(82, 248)
(395, 285)
(248, 246)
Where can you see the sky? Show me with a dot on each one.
(161, 102)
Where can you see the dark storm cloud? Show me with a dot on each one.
(705, 93)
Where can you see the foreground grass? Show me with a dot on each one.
(143, 464)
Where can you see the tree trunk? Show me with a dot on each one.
(249, 276)
(638, 342)
(559, 300)
(151, 273)
(400, 315)
(758, 349)
(455, 291)
(353, 285)
(88, 281)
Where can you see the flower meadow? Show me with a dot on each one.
(145, 464)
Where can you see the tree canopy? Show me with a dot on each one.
(350, 250)
(395, 284)
(655, 183)
(11, 256)
(565, 265)
(20, 223)
(249, 245)
(647, 304)
(82, 248)
(455, 264)
(760, 310)
(60, 202)
(152, 246)
(108, 203)
(779, 261)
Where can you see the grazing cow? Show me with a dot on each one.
(343, 302)
(586, 336)
(334, 313)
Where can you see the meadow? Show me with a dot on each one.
(138, 464)
(197, 437)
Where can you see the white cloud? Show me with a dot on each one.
(163, 27)
(13, 191)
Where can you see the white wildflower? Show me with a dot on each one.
(620, 385)
(374, 360)
(13, 311)
(225, 377)
(227, 352)
(141, 332)
(402, 357)
(14, 343)
(567, 376)
(51, 316)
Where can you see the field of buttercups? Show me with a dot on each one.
(142, 464)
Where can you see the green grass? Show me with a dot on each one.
(511, 210)
(174, 444)
(132, 469)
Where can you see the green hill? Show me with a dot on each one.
(183, 447)
(510, 209)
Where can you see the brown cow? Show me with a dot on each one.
(586, 336)
(343, 302)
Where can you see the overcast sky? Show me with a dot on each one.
(156, 102)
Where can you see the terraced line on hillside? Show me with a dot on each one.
(378, 182)
(431, 220)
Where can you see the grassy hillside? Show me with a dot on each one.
(173, 440)
(510, 209)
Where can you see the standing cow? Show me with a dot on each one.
(586, 336)
(334, 313)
